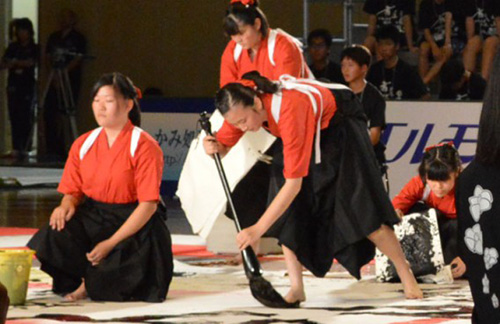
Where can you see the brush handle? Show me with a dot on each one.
(250, 261)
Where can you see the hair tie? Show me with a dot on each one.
(138, 92)
(450, 143)
(247, 83)
(246, 3)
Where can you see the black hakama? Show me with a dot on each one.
(342, 200)
(138, 269)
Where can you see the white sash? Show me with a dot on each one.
(89, 141)
(305, 86)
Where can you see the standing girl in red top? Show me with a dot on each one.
(256, 47)
(434, 187)
(107, 240)
(329, 200)
(271, 52)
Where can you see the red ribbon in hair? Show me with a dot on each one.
(247, 83)
(244, 2)
(139, 92)
(450, 143)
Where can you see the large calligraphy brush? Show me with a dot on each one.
(261, 289)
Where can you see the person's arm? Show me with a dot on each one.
(375, 133)
(408, 26)
(63, 212)
(139, 217)
(372, 25)
(448, 21)
(212, 146)
(278, 206)
(470, 26)
(228, 68)
(288, 58)
(497, 20)
(436, 51)
(411, 193)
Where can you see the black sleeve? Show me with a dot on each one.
(371, 7)
(424, 16)
(374, 75)
(416, 87)
(377, 114)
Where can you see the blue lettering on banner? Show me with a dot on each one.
(459, 139)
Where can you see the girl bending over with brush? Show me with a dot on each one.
(327, 200)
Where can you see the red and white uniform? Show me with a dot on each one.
(296, 126)
(278, 54)
(129, 171)
(415, 190)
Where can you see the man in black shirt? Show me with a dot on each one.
(483, 32)
(393, 77)
(318, 44)
(460, 84)
(398, 13)
(354, 62)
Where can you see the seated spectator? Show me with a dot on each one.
(355, 61)
(483, 32)
(393, 77)
(318, 44)
(398, 13)
(442, 40)
(460, 84)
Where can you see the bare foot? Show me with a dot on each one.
(293, 296)
(410, 285)
(79, 294)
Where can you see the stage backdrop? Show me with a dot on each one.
(411, 127)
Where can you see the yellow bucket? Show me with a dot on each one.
(15, 266)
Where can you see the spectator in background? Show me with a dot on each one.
(65, 50)
(483, 32)
(21, 58)
(442, 38)
(393, 77)
(318, 44)
(460, 84)
(355, 62)
(398, 13)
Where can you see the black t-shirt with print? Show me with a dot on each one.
(432, 17)
(391, 12)
(399, 83)
(484, 13)
(374, 108)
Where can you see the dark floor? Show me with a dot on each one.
(32, 208)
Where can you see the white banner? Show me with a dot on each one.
(174, 132)
(411, 127)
